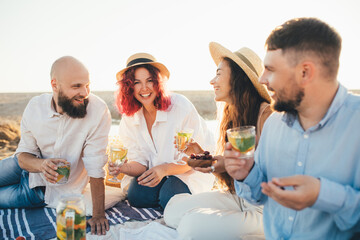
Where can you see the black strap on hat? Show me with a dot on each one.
(139, 60)
(247, 62)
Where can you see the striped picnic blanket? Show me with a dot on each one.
(40, 223)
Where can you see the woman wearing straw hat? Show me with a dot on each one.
(218, 214)
(150, 118)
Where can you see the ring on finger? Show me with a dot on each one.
(212, 168)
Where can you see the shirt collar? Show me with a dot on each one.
(50, 107)
(161, 116)
(337, 102)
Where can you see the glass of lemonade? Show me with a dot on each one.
(117, 156)
(70, 217)
(63, 169)
(182, 138)
(242, 140)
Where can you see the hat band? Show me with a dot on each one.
(247, 62)
(139, 60)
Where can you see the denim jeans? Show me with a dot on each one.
(14, 187)
(158, 196)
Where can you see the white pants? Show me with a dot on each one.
(214, 215)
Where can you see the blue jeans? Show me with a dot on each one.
(158, 196)
(14, 187)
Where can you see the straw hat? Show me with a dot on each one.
(143, 58)
(247, 60)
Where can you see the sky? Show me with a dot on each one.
(104, 33)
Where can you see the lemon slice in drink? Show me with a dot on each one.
(122, 153)
(242, 144)
(59, 177)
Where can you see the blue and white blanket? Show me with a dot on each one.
(40, 223)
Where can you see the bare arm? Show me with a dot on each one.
(31, 163)
(174, 169)
(132, 168)
(98, 223)
(153, 176)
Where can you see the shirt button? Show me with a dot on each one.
(299, 164)
(291, 218)
(306, 136)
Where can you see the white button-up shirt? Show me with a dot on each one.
(81, 141)
(181, 114)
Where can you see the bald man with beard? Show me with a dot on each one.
(71, 125)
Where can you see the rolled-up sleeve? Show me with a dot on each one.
(27, 142)
(94, 154)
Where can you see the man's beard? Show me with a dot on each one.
(69, 108)
(290, 106)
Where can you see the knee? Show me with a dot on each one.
(11, 163)
(142, 196)
(175, 210)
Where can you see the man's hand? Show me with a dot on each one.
(48, 168)
(306, 191)
(151, 177)
(99, 225)
(237, 168)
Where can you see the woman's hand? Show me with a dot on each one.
(193, 147)
(218, 166)
(113, 170)
(152, 177)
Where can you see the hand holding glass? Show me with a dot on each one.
(117, 157)
(63, 169)
(242, 140)
(182, 138)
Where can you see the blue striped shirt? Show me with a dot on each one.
(330, 151)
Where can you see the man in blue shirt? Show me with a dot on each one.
(307, 165)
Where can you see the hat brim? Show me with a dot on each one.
(162, 69)
(218, 53)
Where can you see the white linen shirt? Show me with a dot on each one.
(181, 114)
(81, 141)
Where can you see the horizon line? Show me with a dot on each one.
(115, 90)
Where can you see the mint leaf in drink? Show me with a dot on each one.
(64, 170)
(245, 144)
